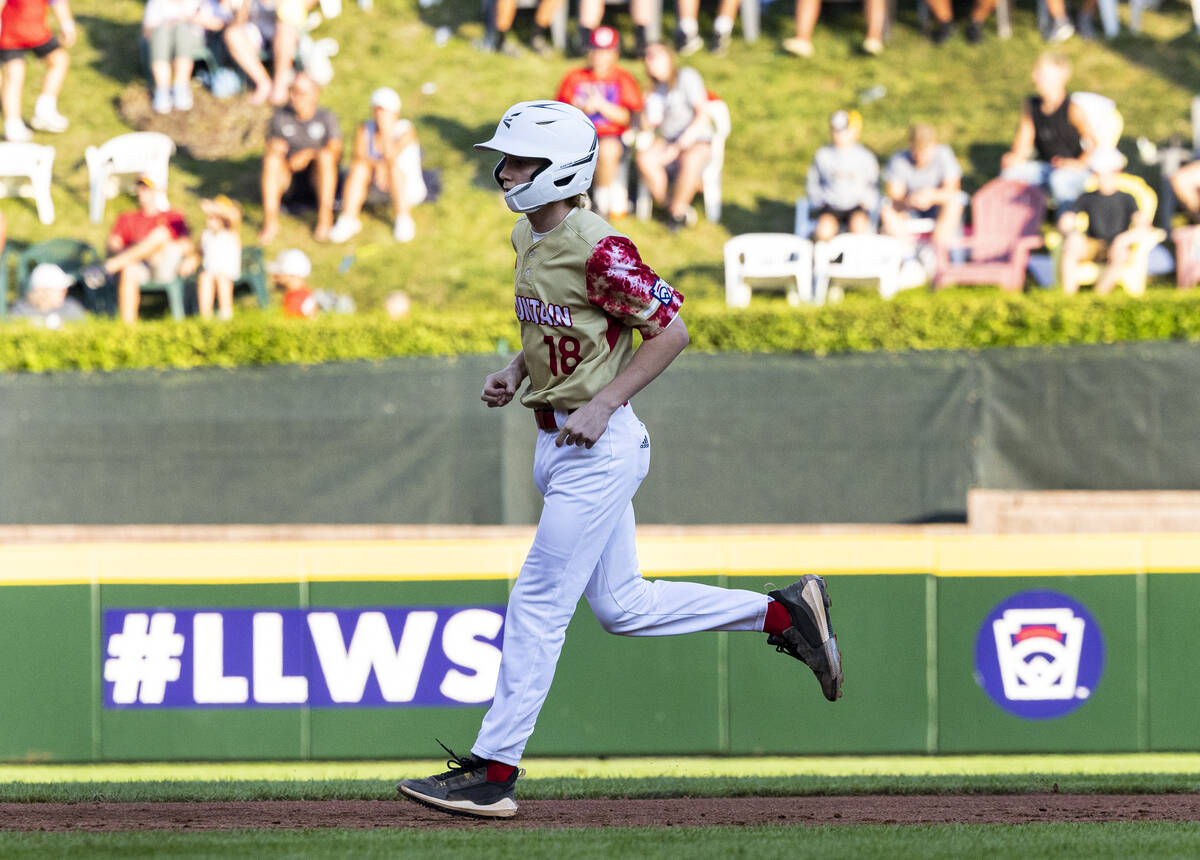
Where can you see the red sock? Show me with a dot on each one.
(498, 771)
(778, 618)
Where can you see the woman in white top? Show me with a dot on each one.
(676, 114)
(386, 161)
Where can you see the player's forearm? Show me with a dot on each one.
(517, 366)
(651, 359)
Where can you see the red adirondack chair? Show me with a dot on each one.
(1006, 218)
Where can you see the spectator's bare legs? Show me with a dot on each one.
(1186, 185)
(1074, 246)
(687, 180)
(949, 219)
(591, 13)
(57, 63)
(398, 187)
(129, 283)
(983, 10)
(894, 222)
(160, 72)
(245, 54)
(276, 177)
(183, 71)
(209, 285)
(875, 12)
(354, 192)
(826, 229)
(1118, 256)
(807, 12)
(326, 182)
(607, 164)
(10, 90)
(287, 39)
(652, 165)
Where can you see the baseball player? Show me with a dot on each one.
(581, 290)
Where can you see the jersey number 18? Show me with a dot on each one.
(564, 353)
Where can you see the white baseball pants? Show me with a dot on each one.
(585, 545)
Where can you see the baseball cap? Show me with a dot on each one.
(292, 262)
(844, 119)
(386, 98)
(1106, 161)
(604, 38)
(48, 276)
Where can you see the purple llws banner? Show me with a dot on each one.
(284, 658)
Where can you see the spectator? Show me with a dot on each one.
(385, 168)
(676, 115)
(174, 33)
(290, 272)
(610, 97)
(259, 24)
(301, 136)
(923, 181)
(943, 16)
(150, 244)
(23, 28)
(220, 256)
(46, 302)
(843, 180)
(1185, 182)
(500, 15)
(1051, 136)
(1111, 222)
(807, 12)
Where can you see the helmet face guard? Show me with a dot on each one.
(558, 133)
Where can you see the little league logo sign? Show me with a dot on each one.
(1039, 655)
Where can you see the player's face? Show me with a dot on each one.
(517, 170)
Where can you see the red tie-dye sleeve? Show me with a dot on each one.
(620, 284)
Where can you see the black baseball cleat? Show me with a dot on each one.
(810, 639)
(464, 789)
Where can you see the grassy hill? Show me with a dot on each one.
(454, 94)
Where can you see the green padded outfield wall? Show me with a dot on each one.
(371, 649)
(785, 439)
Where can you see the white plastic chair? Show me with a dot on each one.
(710, 177)
(25, 170)
(119, 162)
(768, 259)
(858, 256)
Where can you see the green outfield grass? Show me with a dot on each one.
(1025, 842)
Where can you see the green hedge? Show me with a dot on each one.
(955, 319)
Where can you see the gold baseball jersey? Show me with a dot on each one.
(580, 292)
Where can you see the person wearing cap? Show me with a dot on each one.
(385, 168)
(611, 98)
(220, 256)
(46, 301)
(301, 136)
(1102, 226)
(843, 180)
(150, 244)
(290, 272)
(1052, 136)
(923, 181)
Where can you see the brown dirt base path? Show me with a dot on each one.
(676, 812)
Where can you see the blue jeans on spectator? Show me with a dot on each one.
(1063, 183)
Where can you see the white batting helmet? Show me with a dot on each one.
(560, 133)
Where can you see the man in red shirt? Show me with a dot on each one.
(610, 97)
(23, 28)
(151, 243)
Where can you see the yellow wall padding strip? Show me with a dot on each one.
(698, 554)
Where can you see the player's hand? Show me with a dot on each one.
(500, 387)
(584, 426)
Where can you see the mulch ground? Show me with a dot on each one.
(676, 812)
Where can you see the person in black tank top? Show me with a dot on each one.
(1051, 137)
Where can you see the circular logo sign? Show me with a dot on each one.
(1039, 655)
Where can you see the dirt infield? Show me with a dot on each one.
(675, 812)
